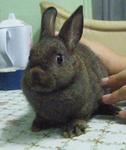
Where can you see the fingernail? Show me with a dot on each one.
(106, 98)
(104, 80)
(122, 114)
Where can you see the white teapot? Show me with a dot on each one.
(15, 42)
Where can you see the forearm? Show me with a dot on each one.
(113, 62)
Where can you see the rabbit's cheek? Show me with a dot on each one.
(47, 82)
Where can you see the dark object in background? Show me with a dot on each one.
(62, 78)
(109, 9)
(11, 80)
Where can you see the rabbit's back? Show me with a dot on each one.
(96, 71)
(92, 62)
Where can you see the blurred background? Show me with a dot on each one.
(29, 11)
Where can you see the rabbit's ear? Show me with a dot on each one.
(72, 29)
(48, 22)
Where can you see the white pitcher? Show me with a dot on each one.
(15, 42)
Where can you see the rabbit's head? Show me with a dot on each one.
(53, 64)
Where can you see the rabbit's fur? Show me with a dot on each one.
(62, 78)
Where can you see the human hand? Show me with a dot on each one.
(118, 83)
(113, 61)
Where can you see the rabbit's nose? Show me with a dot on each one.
(37, 75)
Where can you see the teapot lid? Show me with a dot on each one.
(11, 22)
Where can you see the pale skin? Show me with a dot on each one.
(116, 65)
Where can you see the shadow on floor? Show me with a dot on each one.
(18, 131)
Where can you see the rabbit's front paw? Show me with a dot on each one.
(75, 128)
(37, 124)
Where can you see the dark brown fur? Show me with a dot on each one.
(65, 94)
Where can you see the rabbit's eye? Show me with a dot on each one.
(59, 58)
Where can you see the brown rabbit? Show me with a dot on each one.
(62, 78)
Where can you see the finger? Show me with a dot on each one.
(56, 33)
(116, 96)
(122, 114)
(115, 80)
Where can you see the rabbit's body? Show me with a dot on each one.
(65, 90)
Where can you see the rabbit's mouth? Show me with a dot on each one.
(52, 86)
(47, 83)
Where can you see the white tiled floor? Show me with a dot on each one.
(16, 117)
